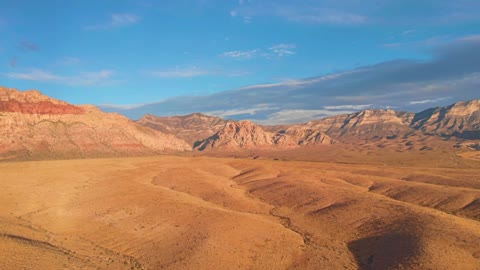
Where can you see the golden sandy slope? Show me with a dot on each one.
(212, 213)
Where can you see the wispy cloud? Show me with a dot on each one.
(283, 49)
(300, 11)
(420, 44)
(81, 79)
(297, 116)
(193, 71)
(349, 13)
(425, 101)
(278, 50)
(240, 54)
(408, 32)
(116, 20)
(452, 71)
(34, 75)
(69, 61)
(180, 72)
(242, 111)
(348, 107)
(325, 16)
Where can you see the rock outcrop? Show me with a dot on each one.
(191, 128)
(33, 125)
(308, 136)
(33, 102)
(247, 135)
(365, 124)
(461, 119)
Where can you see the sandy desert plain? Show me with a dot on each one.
(385, 211)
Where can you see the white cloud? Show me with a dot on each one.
(298, 83)
(82, 78)
(69, 61)
(408, 32)
(471, 38)
(124, 19)
(193, 71)
(424, 43)
(241, 111)
(299, 11)
(34, 75)
(327, 17)
(240, 54)
(116, 20)
(180, 72)
(348, 107)
(425, 101)
(297, 116)
(275, 50)
(283, 49)
(247, 19)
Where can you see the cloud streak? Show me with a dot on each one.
(283, 49)
(81, 79)
(191, 72)
(180, 73)
(278, 50)
(116, 20)
(242, 111)
(425, 101)
(240, 54)
(411, 85)
(348, 107)
(350, 13)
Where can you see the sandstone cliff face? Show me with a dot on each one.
(365, 124)
(244, 134)
(43, 127)
(461, 119)
(33, 102)
(308, 136)
(191, 128)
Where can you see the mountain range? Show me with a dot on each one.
(36, 126)
(33, 125)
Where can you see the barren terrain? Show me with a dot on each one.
(172, 212)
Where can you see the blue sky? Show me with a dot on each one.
(297, 59)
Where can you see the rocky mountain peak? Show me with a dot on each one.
(465, 108)
(34, 102)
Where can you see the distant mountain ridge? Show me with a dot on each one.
(243, 134)
(208, 132)
(365, 124)
(454, 120)
(191, 128)
(33, 125)
(459, 121)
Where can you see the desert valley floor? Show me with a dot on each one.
(173, 212)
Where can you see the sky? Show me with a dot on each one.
(269, 61)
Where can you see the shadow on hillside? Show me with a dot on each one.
(387, 251)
